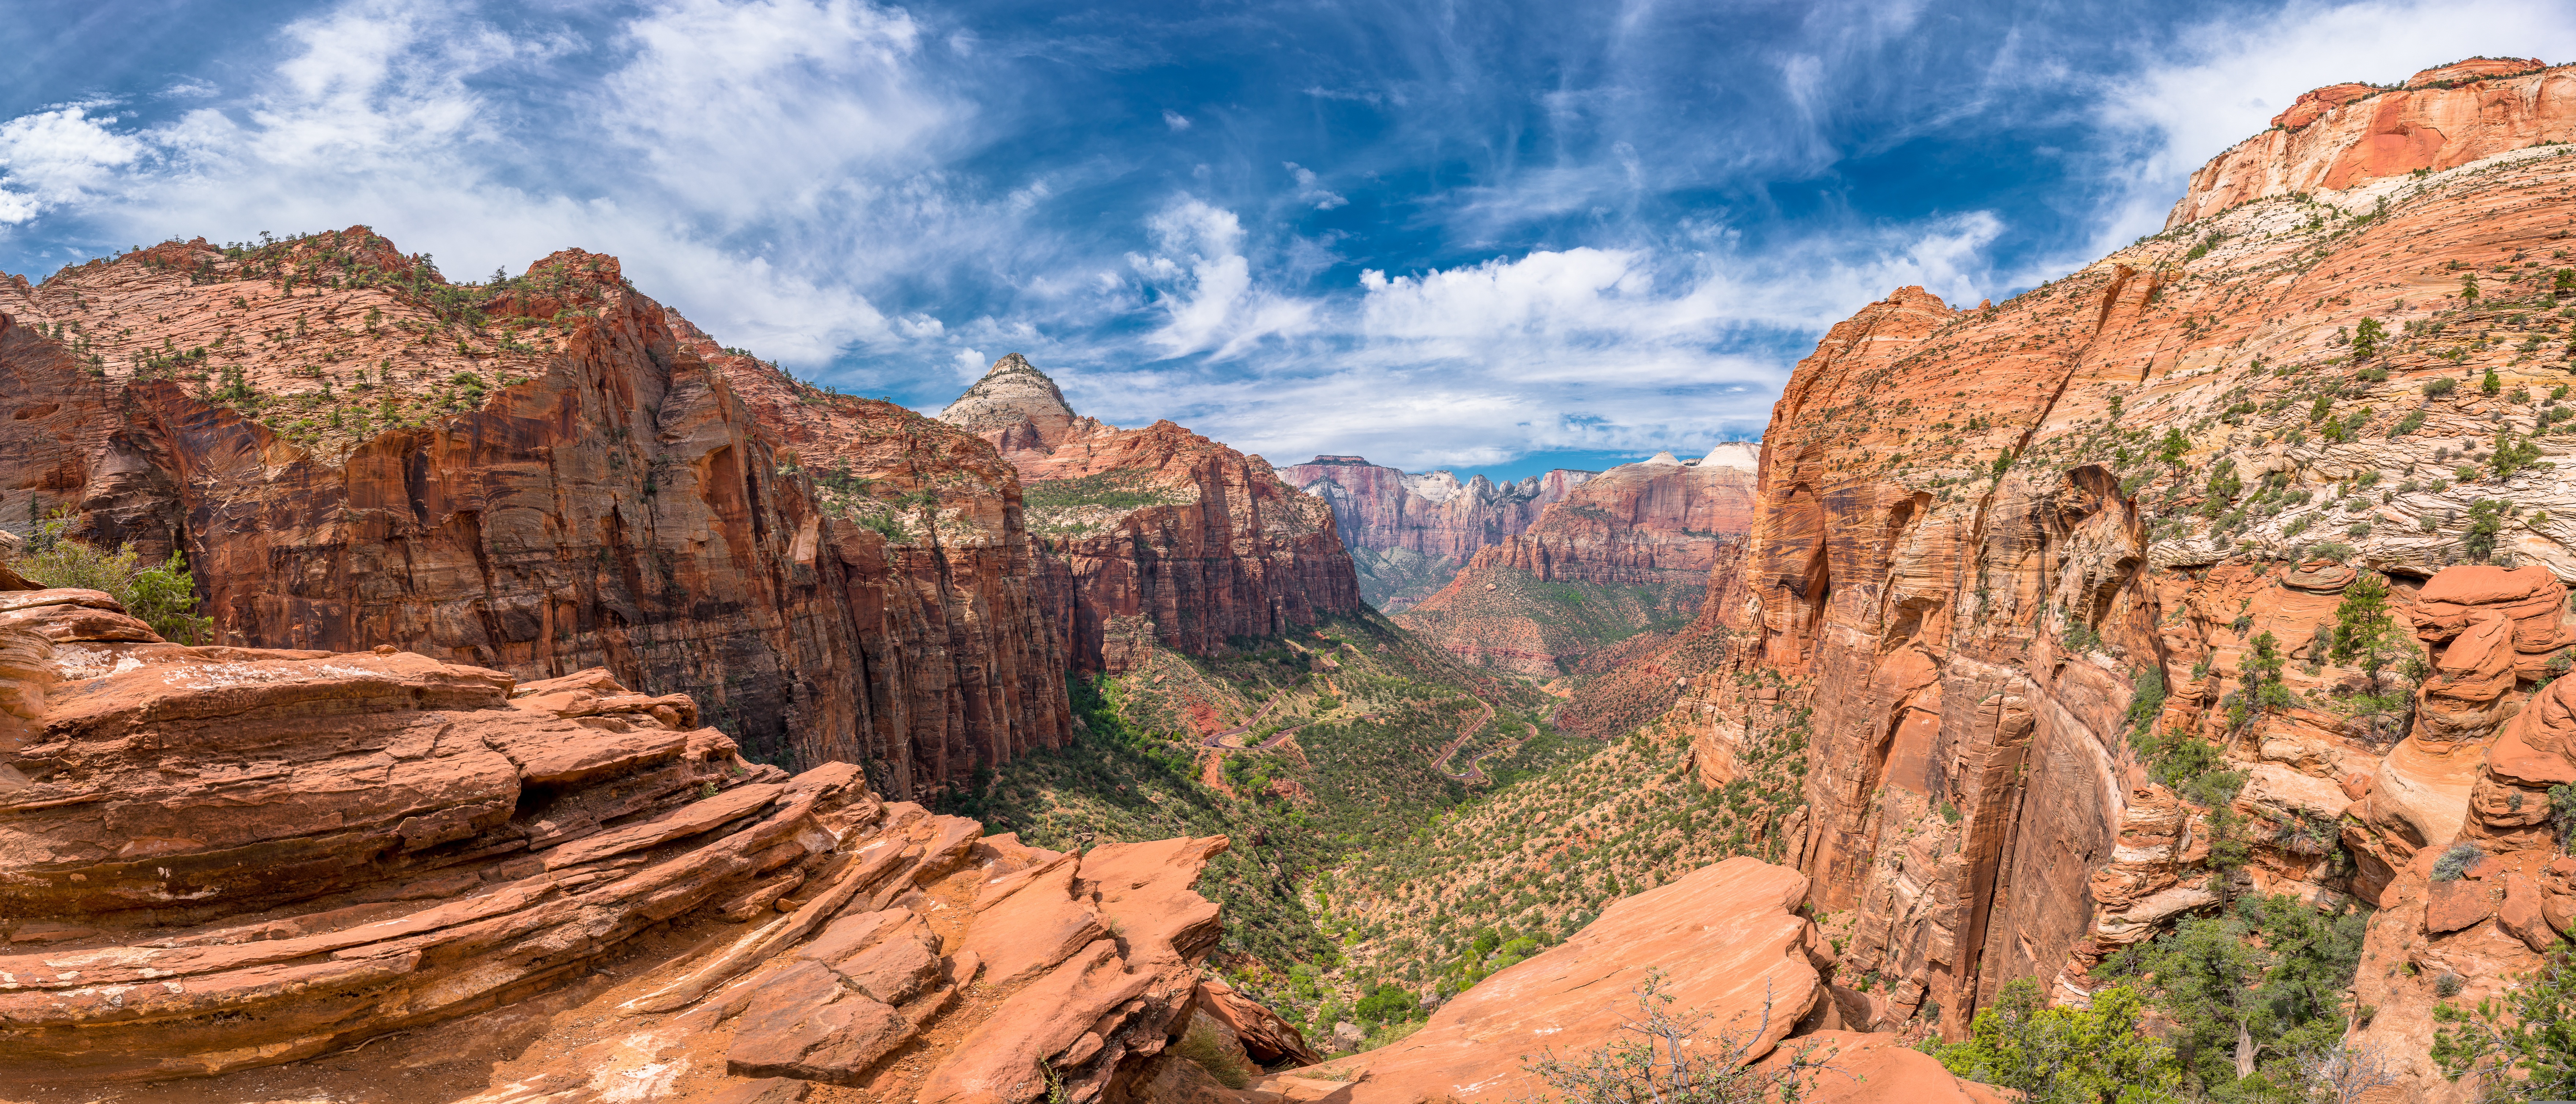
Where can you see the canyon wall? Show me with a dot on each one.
(1626, 551)
(2005, 559)
(2341, 135)
(539, 476)
(1155, 537)
(1408, 532)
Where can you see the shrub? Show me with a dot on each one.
(1677, 1059)
(163, 595)
(2449, 984)
(2456, 861)
(2437, 388)
(2525, 1041)
(2063, 1055)
(1205, 1045)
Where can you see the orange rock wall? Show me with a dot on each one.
(2348, 134)
(618, 500)
(1239, 553)
(1976, 527)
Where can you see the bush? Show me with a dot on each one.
(2063, 1055)
(1677, 1059)
(2437, 388)
(2525, 1040)
(163, 596)
(2456, 862)
(1206, 1046)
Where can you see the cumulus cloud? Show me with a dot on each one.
(1205, 283)
(57, 156)
(1175, 120)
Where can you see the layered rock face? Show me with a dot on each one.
(222, 858)
(1982, 535)
(1629, 549)
(2347, 134)
(1411, 532)
(540, 476)
(1729, 942)
(1156, 537)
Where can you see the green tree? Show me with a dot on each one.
(2260, 690)
(2094, 1055)
(2259, 986)
(2469, 287)
(2486, 528)
(2363, 629)
(2173, 447)
(2491, 383)
(2512, 455)
(2521, 1046)
(2366, 338)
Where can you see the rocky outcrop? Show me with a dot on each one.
(1628, 551)
(537, 476)
(1156, 537)
(1987, 541)
(1729, 943)
(1410, 532)
(2346, 135)
(222, 858)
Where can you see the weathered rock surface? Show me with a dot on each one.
(1638, 541)
(222, 858)
(1156, 537)
(1978, 533)
(2349, 134)
(1410, 532)
(1731, 944)
(540, 477)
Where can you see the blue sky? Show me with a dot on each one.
(1491, 236)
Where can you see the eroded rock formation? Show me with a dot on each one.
(221, 858)
(1730, 943)
(1629, 549)
(1987, 540)
(539, 476)
(1409, 533)
(1156, 537)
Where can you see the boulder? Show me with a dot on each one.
(1728, 941)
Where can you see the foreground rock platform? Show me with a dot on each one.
(1732, 945)
(223, 864)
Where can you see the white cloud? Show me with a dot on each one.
(1207, 295)
(1175, 120)
(2222, 81)
(58, 156)
(1310, 192)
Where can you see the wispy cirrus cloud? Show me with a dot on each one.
(1429, 234)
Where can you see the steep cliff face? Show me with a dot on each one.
(539, 476)
(1629, 551)
(1409, 533)
(1155, 537)
(2013, 558)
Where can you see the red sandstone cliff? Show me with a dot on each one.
(1639, 539)
(2347, 134)
(1978, 532)
(539, 477)
(1410, 533)
(1156, 537)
